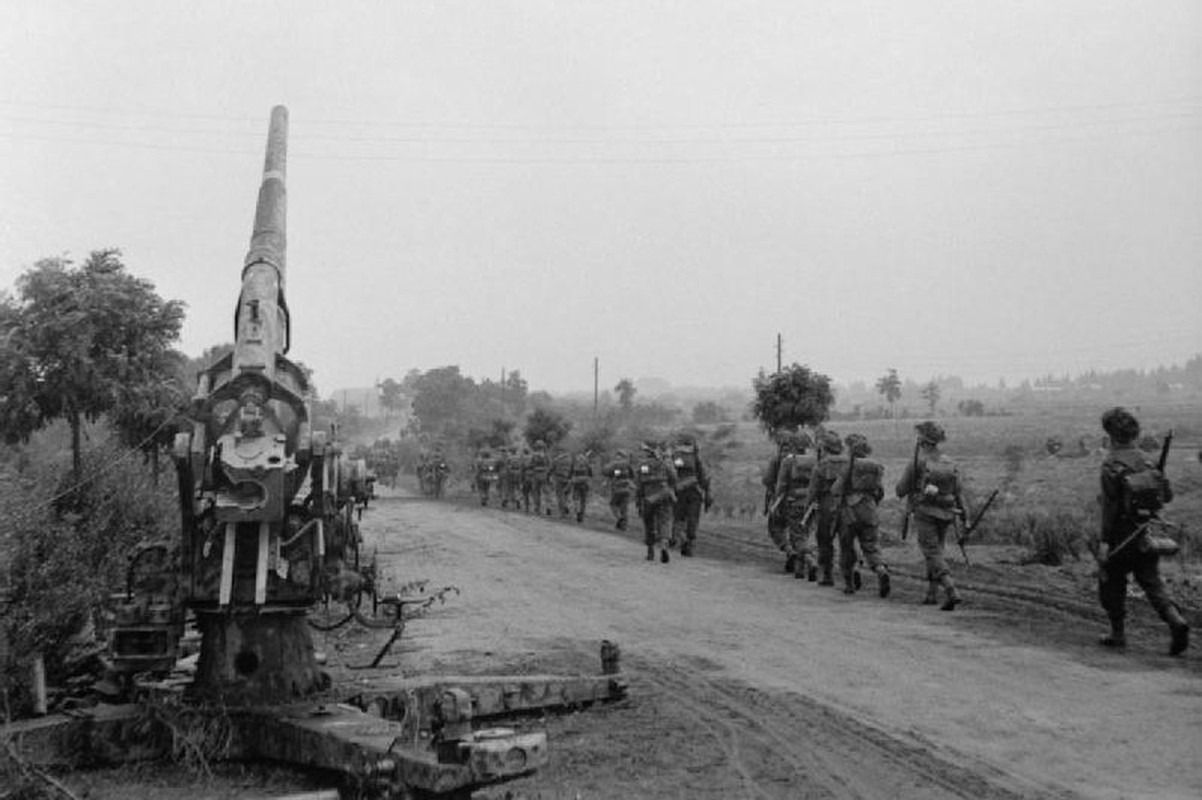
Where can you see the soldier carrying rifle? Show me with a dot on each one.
(1134, 489)
(931, 486)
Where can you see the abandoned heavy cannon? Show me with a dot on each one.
(269, 514)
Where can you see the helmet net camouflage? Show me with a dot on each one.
(857, 445)
(1121, 425)
(930, 432)
(831, 442)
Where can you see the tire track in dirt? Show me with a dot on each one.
(840, 756)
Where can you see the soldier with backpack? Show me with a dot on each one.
(931, 485)
(561, 479)
(821, 495)
(860, 489)
(511, 478)
(620, 475)
(777, 529)
(655, 493)
(790, 499)
(692, 492)
(1134, 489)
(538, 471)
(580, 477)
(487, 474)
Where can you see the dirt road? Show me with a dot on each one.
(747, 683)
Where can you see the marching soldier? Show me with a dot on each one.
(655, 485)
(789, 496)
(486, 474)
(692, 492)
(579, 477)
(931, 484)
(561, 479)
(538, 473)
(860, 489)
(1133, 491)
(821, 495)
(512, 478)
(620, 474)
(777, 529)
(525, 484)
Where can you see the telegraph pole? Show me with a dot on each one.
(779, 343)
(596, 391)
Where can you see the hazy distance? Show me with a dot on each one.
(993, 189)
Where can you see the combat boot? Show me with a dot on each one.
(827, 578)
(931, 598)
(801, 566)
(650, 552)
(1117, 638)
(811, 573)
(790, 563)
(856, 580)
(849, 583)
(663, 555)
(883, 583)
(1178, 629)
(686, 549)
(951, 598)
(580, 516)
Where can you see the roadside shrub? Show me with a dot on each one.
(66, 546)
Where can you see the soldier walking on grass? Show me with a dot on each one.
(655, 494)
(789, 496)
(931, 484)
(692, 492)
(620, 474)
(860, 490)
(821, 495)
(511, 478)
(1133, 491)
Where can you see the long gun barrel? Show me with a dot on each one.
(262, 327)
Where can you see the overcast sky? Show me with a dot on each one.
(981, 188)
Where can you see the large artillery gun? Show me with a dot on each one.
(269, 512)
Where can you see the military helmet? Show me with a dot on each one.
(1121, 425)
(857, 445)
(620, 453)
(539, 444)
(685, 438)
(930, 432)
(831, 443)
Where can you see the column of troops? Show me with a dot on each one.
(667, 482)
(836, 490)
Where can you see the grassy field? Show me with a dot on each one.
(1040, 496)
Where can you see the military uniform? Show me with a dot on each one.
(935, 499)
(511, 479)
(692, 493)
(486, 475)
(620, 474)
(1133, 490)
(777, 529)
(655, 493)
(538, 475)
(860, 489)
(790, 495)
(821, 495)
(561, 480)
(580, 478)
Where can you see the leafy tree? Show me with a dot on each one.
(930, 393)
(391, 397)
(971, 408)
(889, 386)
(516, 389)
(625, 390)
(78, 340)
(440, 397)
(545, 424)
(793, 397)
